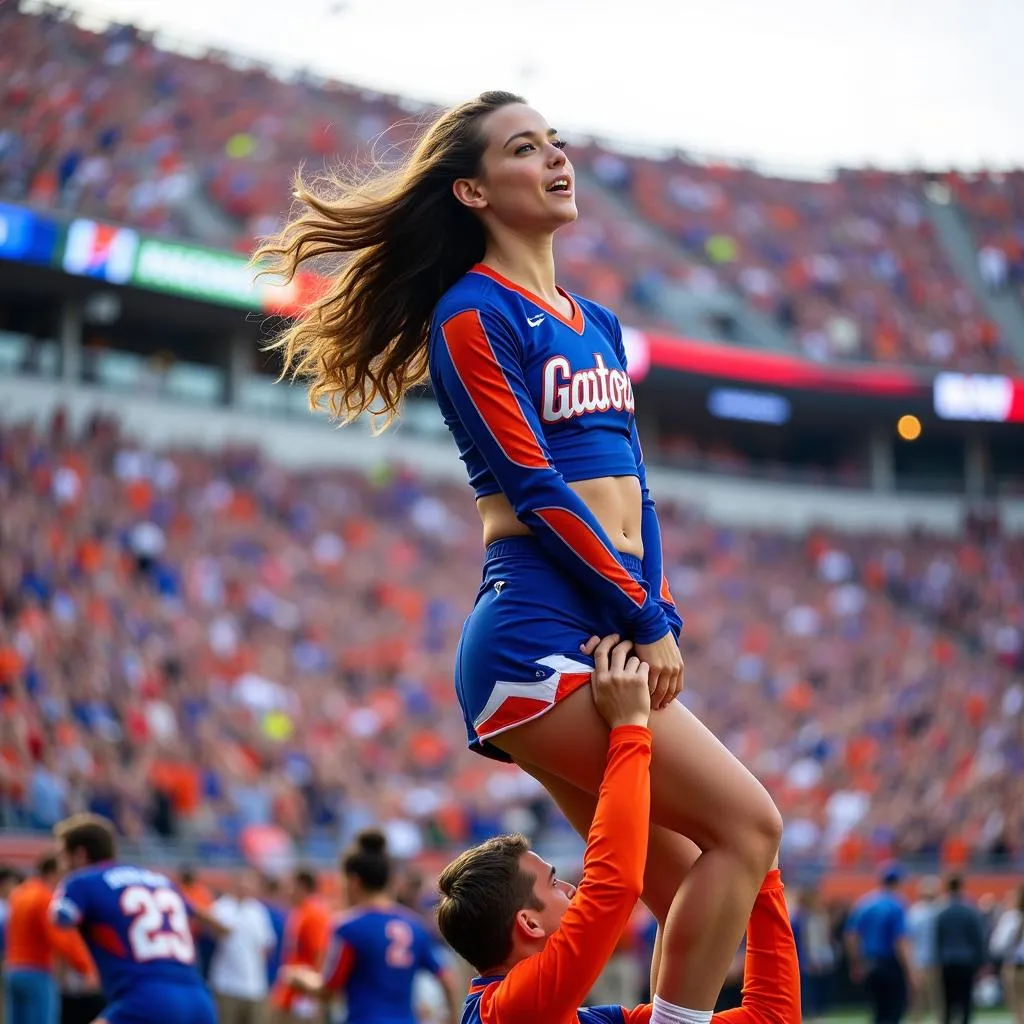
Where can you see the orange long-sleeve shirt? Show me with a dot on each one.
(550, 985)
(771, 976)
(32, 938)
(306, 935)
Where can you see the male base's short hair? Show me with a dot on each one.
(482, 890)
(89, 832)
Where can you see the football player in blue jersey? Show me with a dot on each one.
(136, 925)
(377, 946)
(449, 276)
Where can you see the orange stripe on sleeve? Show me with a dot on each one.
(483, 378)
(578, 536)
(339, 966)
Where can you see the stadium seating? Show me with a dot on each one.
(994, 204)
(206, 146)
(195, 644)
(851, 266)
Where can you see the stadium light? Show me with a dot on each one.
(908, 427)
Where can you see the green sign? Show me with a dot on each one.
(206, 275)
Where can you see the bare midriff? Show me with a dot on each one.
(614, 502)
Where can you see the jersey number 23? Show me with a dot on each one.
(160, 927)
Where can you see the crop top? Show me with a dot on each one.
(536, 400)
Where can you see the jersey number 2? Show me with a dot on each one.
(159, 930)
(400, 940)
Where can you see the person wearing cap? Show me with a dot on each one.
(878, 947)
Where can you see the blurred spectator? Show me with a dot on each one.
(993, 268)
(812, 931)
(959, 950)
(305, 943)
(876, 937)
(731, 995)
(34, 944)
(198, 894)
(409, 890)
(994, 204)
(271, 896)
(238, 970)
(9, 878)
(620, 980)
(926, 998)
(1007, 946)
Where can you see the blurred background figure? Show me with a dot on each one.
(376, 948)
(878, 948)
(273, 901)
(1007, 946)
(812, 929)
(198, 895)
(959, 951)
(620, 980)
(34, 947)
(238, 968)
(9, 878)
(306, 934)
(409, 890)
(926, 999)
(732, 991)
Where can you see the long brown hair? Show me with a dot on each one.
(363, 343)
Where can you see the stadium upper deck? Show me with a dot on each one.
(110, 126)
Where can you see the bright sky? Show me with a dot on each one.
(795, 83)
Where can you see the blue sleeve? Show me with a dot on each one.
(602, 1015)
(339, 958)
(478, 361)
(650, 528)
(69, 906)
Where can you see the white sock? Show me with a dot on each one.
(669, 1013)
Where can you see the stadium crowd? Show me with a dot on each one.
(851, 266)
(994, 205)
(202, 646)
(109, 125)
